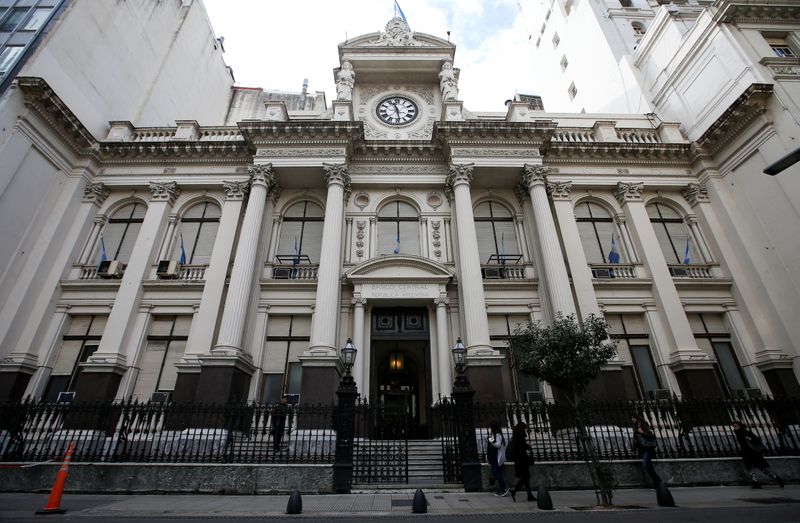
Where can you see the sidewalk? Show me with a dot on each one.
(392, 503)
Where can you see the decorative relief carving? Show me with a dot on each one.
(373, 133)
(398, 169)
(559, 190)
(423, 92)
(521, 191)
(623, 171)
(495, 153)
(434, 200)
(424, 132)
(629, 192)
(534, 175)
(261, 174)
(360, 226)
(301, 152)
(169, 170)
(397, 34)
(235, 190)
(164, 192)
(361, 200)
(695, 193)
(95, 192)
(437, 242)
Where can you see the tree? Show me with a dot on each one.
(568, 355)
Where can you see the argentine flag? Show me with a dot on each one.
(182, 259)
(613, 256)
(686, 259)
(103, 255)
(400, 11)
(397, 244)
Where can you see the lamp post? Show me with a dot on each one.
(347, 393)
(463, 394)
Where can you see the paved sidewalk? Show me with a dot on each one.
(18, 506)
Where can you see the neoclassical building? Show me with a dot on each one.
(232, 262)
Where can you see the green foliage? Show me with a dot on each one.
(567, 354)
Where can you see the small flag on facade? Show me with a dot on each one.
(686, 259)
(613, 256)
(296, 252)
(182, 259)
(103, 255)
(399, 11)
(397, 244)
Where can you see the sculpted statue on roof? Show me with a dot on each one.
(397, 34)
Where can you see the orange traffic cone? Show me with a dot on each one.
(54, 501)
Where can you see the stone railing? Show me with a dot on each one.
(295, 272)
(695, 272)
(574, 135)
(638, 135)
(154, 134)
(219, 134)
(87, 272)
(503, 272)
(192, 273)
(620, 271)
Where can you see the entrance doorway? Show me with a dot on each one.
(400, 374)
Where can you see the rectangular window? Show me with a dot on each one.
(13, 18)
(780, 46)
(78, 344)
(287, 338)
(517, 386)
(166, 344)
(633, 344)
(271, 388)
(8, 57)
(37, 19)
(712, 337)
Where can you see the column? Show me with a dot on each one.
(619, 219)
(373, 236)
(100, 376)
(443, 343)
(697, 236)
(164, 253)
(88, 249)
(448, 240)
(476, 323)
(231, 330)
(519, 221)
(578, 266)
(321, 361)
(692, 367)
(534, 178)
(358, 341)
(349, 235)
(423, 222)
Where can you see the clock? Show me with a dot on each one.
(396, 110)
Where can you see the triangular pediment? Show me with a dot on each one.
(397, 34)
(399, 268)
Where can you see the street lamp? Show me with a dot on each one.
(347, 393)
(459, 353)
(348, 356)
(462, 395)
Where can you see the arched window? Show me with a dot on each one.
(673, 234)
(198, 228)
(497, 234)
(121, 231)
(398, 229)
(301, 233)
(596, 229)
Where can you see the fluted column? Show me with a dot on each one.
(231, 329)
(534, 177)
(443, 343)
(358, 340)
(164, 253)
(576, 257)
(326, 314)
(476, 323)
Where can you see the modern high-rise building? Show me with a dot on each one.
(230, 255)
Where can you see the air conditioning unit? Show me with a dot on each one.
(533, 395)
(602, 273)
(659, 394)
(110, 269)
(282, 273)
(493, 273)
(168, 269)
(160, 397)
(294, 399)
(678, 271)
(65, 397)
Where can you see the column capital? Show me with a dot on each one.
(337, 173)
(619, 219)
(357, 300)
(695, 193)
(261, 174)
(235, 190)
(100, 219)
(95, 193)
(458, 174)
(691, 219)
(559, 190)
(164, 192)
(533, 175)
(629, 192)
(442, 300)
(173, 219)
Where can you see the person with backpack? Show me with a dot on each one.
(496, 456)
(752, 450)
(644, 443)
(518, 452)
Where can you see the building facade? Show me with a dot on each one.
(231, 262)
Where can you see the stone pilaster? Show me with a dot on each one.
(359, 374)
(443, 345)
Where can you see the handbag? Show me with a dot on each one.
(647, 439)
(755, 444)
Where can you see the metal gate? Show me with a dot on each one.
(448, 433)
(380, 445)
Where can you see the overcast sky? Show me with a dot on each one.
(276, 44)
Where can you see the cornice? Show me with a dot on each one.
(747, 107)
(500, 133)
(301, 132)
(175, 152)
(398, 151)
(40, 97)
(618, 153)
(758, 11)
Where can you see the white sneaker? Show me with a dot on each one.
(506, 493)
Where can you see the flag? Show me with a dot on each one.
(103, 255)
(400, 11)
(182, 259)
(613, 256)
(686, 259)
(397, 244)
(296, 257)
(502, 252)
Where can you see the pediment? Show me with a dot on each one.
(399, 268)
(397, 34)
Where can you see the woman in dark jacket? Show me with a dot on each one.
(752, 450)
(519, 448)
(644, 443)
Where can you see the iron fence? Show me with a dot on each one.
(168, 432)
(684, 428)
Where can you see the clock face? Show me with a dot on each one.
(396, 110)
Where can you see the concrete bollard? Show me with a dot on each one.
(420, 504)
(664, 496)
(543, 500)
(295, 505)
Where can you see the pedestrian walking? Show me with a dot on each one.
(752, 450)
(279, 414)
(645, 443)
(518, 450)
(496, 456)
